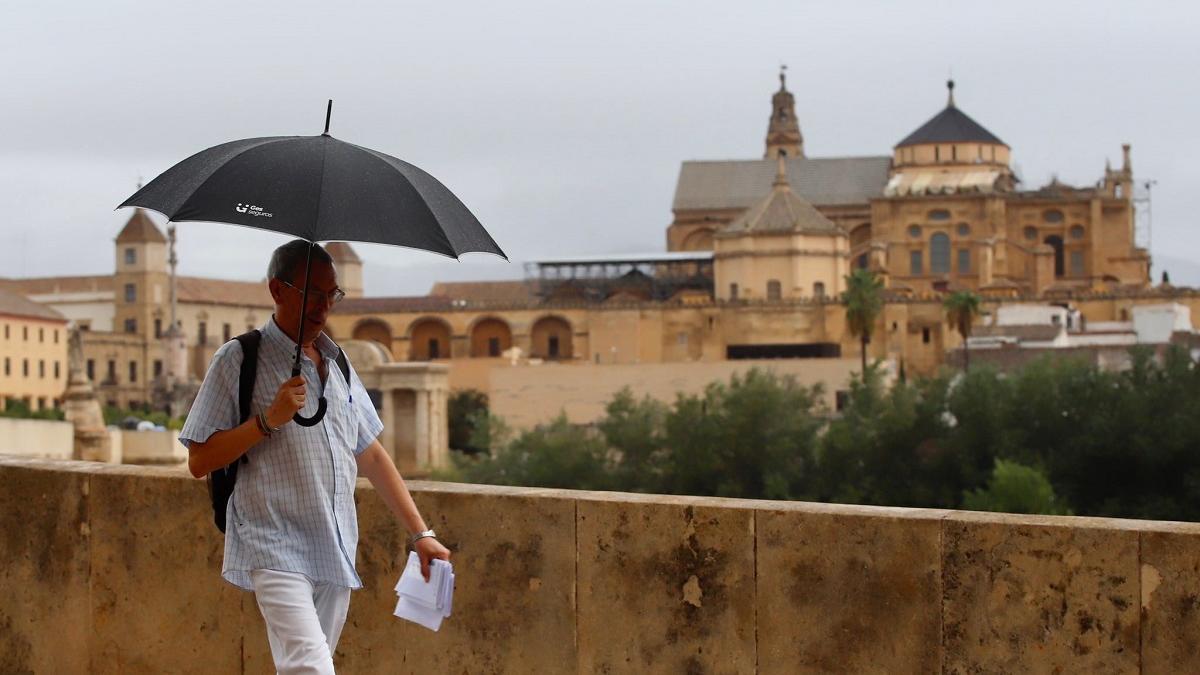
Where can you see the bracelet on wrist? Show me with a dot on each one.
(421, 535)
(264, 426)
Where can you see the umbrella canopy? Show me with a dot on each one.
(316, 188)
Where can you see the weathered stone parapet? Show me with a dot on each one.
(113, 569)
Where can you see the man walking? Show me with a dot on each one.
(291, 526)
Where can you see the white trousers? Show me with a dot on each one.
(304, 620)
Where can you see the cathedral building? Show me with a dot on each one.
(943, 211)
(758, 251)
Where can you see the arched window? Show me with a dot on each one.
(774, 289)
(819, 290)
(939, 254)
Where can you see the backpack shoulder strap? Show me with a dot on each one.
(249, 371)
(343, 364)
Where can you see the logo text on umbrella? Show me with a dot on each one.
(252, 210)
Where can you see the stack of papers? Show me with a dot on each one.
(425, 602)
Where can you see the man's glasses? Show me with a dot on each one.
(331, 298)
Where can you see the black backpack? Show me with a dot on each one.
(222, 481)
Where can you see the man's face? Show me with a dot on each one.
(322, 282)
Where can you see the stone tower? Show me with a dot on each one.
(141, 283)
(349, 268)
(783, 132)
(141, 286)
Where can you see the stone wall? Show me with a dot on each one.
(114, 569)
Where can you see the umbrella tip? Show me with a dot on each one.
(328, 113)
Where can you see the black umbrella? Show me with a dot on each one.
(316, 188)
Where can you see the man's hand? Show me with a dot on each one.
(427, 549)
(288, 401)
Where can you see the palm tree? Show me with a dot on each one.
(864, 303)
(962, 307)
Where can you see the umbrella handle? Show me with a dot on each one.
(315, 419)
(320, 414)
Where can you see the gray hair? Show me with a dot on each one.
(287, 262)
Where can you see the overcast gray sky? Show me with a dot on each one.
(562, 124)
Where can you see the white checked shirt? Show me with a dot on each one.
(293, 507)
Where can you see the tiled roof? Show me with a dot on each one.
(140, 229)
(15, 304)
(781, 210)
(48, 285)
(224, 292)
(951, 125)
(739, 184)
(484, 291)
(414, 303)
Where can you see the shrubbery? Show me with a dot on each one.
(1058, 437)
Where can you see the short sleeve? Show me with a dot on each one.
(369, 424)
(216, 405)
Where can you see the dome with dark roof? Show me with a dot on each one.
(951, 125)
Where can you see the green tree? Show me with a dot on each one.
(633, 430)
(1015, 488)
(962, 308)
(558, 454)
(889, 446)
(463, 410)
(864, 303)
(754, 437)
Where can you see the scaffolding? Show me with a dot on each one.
(656, 277)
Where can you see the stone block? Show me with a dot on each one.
(1039, 594)
(1170, 599)
(513, 552)
(665, 585)
(158, 601)
(45, 617)
(845, 589)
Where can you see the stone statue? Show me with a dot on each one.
(82, 408)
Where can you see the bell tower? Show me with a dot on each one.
(783, 131)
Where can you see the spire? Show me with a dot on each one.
(950, 97)
(783, 130)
